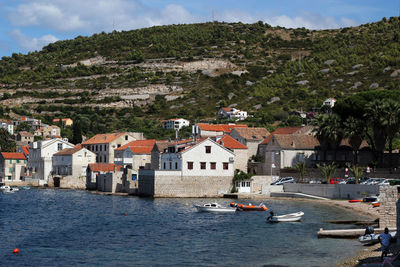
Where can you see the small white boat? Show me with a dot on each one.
(292, 217)
(214, 207)
(8, 189)
(370, 239)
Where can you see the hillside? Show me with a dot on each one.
(131, 80)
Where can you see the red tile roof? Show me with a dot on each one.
(67, 151)
(139, 146)
(284, 130)
(253, 134)
(229, 142)
(102, 138)
(25, 149)
(227, 128)
(13, 155)
(104, 167)
(297, 141)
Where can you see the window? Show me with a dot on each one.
(225, 165)
(165, 165)
(9, 177)
(247, 184)
(208, 149)
(17, 160)
(213, 165)
(119, 145)
(170, 165)
(100, 147)
(176, 165)
(202, 165)
(190, 165)
(10, 161)
(10, 170)
(126, 137)
(59, 146)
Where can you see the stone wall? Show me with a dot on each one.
(334, 191)
(172, 184)
(260, 183)
(388, 197)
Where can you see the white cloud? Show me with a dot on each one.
(95, 15)
(305, 19)
(32, 44)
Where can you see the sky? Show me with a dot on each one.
(28, 25)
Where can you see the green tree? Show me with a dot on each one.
(328, 131)
(327, 170)
(355, 130)
(76, 132)
(6, 142)
(301, 167)
(357, 172)
(24, 126)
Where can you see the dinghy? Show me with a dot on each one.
(292, 217)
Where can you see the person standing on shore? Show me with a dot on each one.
(384, 239)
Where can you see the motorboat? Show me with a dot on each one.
(370, 239)
(8, 189)
(249, 207)
(214, 207)
(291, 217)
(26, 187)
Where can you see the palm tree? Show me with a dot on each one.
(391, 123)
(357, 171)
(302, 169)
(373, 114)
(355, 130)
(383, 116)
(327, 170)
(328, 131)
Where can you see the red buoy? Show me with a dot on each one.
(16, 251)
(126, 214)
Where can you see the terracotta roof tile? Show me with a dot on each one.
(287, 130)
(67, 151)
(227, 128)
(255, 134)
(296, 141)
(104, 167)
(13, 155)
(139, 146)
(102, 138)
(25, 149)
(229, 142)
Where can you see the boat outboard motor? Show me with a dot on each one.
(369, 230)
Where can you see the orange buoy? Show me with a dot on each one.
(126, 214)
(16, 251)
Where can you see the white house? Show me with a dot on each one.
(190, 169)
(69, 167)
(232, 114)
(103, 145)
(8, 125)
(40, 158)
(330, 102)
(175, 124)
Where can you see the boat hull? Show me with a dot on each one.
(213, 209)
(292, 217)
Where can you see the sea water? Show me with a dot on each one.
(76, 228)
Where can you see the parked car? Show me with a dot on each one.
(351, 180)
(335, 180)
(315, 182)
(385, 182)
(284, 180)
(362, 179)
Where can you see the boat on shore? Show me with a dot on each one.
(291, 217)
(8, 189)
(370, 239)
(214, 207)
(249, 207)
